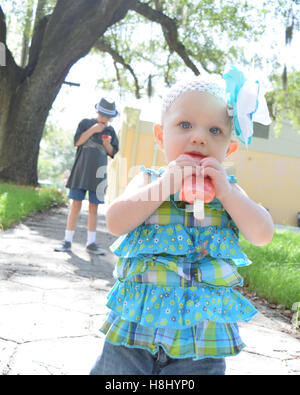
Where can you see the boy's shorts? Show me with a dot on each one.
(79, 194)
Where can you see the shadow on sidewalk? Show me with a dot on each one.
(28, 248)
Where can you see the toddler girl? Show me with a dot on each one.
(174, 309)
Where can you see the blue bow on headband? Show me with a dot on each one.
(248, 104)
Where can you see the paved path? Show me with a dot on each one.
(52, 304)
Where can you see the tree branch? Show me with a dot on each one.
(36, 43)
(39, 27)
(10, 61)
(120, 13)
(167, 73)
(2, 26)
(40, 12)
(80, 23)
(169, 28)
(70, 32)
(103, 46)
(26, 34)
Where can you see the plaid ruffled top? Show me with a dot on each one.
(175, 283)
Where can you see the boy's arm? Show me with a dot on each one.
(253, 220)
(108, 147)
(96, 128)
(114, 143)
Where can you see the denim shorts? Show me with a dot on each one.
(120, 360)
(79, 194)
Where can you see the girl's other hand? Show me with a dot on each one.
(213, 169)
(178, 169)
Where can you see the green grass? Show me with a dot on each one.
(275, 271)
(17, 202)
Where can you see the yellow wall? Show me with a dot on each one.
(272, 180)
(269, 178)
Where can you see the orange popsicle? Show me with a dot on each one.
(197, 190)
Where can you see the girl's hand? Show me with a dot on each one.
(218, 176)
(180, 168)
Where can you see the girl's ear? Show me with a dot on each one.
(158, 135)
(233, 146)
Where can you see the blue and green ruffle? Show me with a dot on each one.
(207, 339)
(176, 307)
(179, 240)
(167, 270)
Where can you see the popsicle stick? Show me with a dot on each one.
(199, 209)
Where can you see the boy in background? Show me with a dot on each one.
(94, 140)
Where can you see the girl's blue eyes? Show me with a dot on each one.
(188, 125)
(215, 130)
(185, 125)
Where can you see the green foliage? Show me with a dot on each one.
(208, 29)
(20, 18)
(57, 153)
(17, 202)
(285, 103)
(275, 271)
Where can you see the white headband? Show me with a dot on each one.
(199, 84)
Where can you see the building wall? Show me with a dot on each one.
(269, 171)
(271, 180)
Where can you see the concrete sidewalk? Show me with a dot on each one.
(52, 305)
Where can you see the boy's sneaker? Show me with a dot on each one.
(94, 249)
(65, 247)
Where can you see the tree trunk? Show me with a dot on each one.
(21, 130)
(27, 94)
